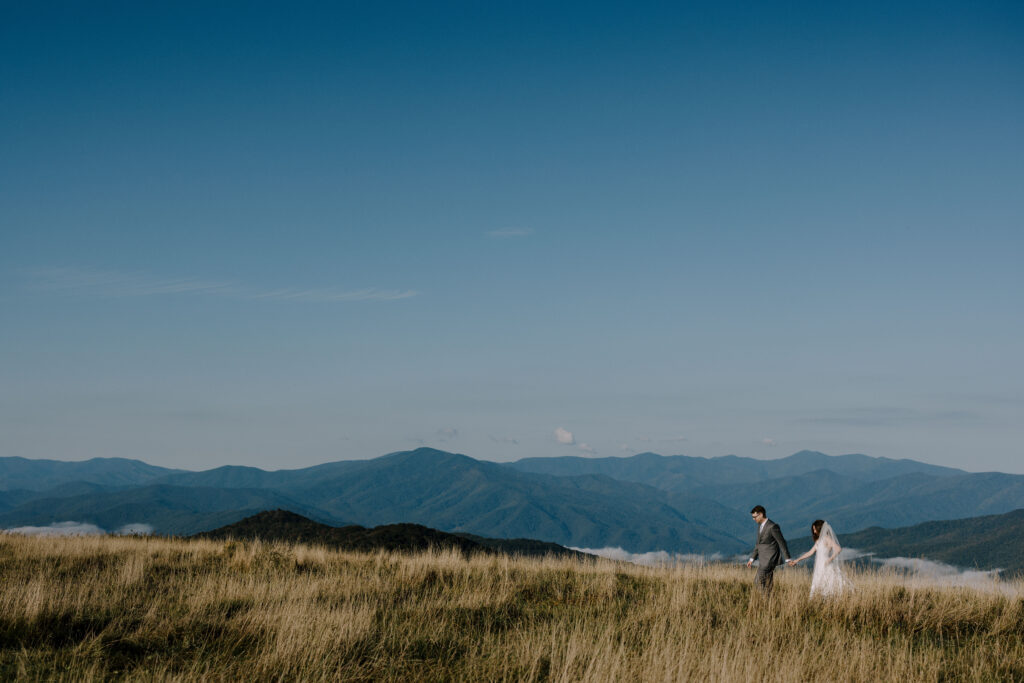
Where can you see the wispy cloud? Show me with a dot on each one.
(504, 439)
(115, 284)
(509, 233)
(768, 442)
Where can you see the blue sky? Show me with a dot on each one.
(277, 235)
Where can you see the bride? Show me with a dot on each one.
(828, 578)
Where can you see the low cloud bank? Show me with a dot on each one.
(922, 572)
(653, 558)
(919, 572)
(81, 529)
(59, 529)
(931, 568)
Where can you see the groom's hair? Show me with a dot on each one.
(759, 508)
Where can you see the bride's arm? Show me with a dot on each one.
(804, 556)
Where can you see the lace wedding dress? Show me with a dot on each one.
(828, 579)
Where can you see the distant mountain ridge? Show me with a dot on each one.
(855, 491)
(683, 472)
(39, 475)
(641, 503)
(235, 476)
(896, 502)
(456, 493)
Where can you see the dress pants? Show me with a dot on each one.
(764, 579)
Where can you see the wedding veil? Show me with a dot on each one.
(828, 543)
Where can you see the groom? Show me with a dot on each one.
(769, 549)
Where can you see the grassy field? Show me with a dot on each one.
(157, 609)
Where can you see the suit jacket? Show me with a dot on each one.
(770, 546)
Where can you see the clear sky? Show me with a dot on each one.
(278, 234)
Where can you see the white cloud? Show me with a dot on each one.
(768, 442)
(59, 529)
(564, 436)
(653, 558)
(586, 448)
(930, 570)
(112, 284)
(507, 233)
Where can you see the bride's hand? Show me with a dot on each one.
(792, 563)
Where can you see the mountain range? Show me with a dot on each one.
(40, 475)
(640, 503)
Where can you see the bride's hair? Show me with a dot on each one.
(816, 528)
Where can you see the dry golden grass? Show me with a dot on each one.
(157, 609)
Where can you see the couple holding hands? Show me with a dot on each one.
(827, 580)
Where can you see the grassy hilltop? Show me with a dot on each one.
(160, 609)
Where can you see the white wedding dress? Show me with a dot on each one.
(828, 579)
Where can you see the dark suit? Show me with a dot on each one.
(769, 549)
